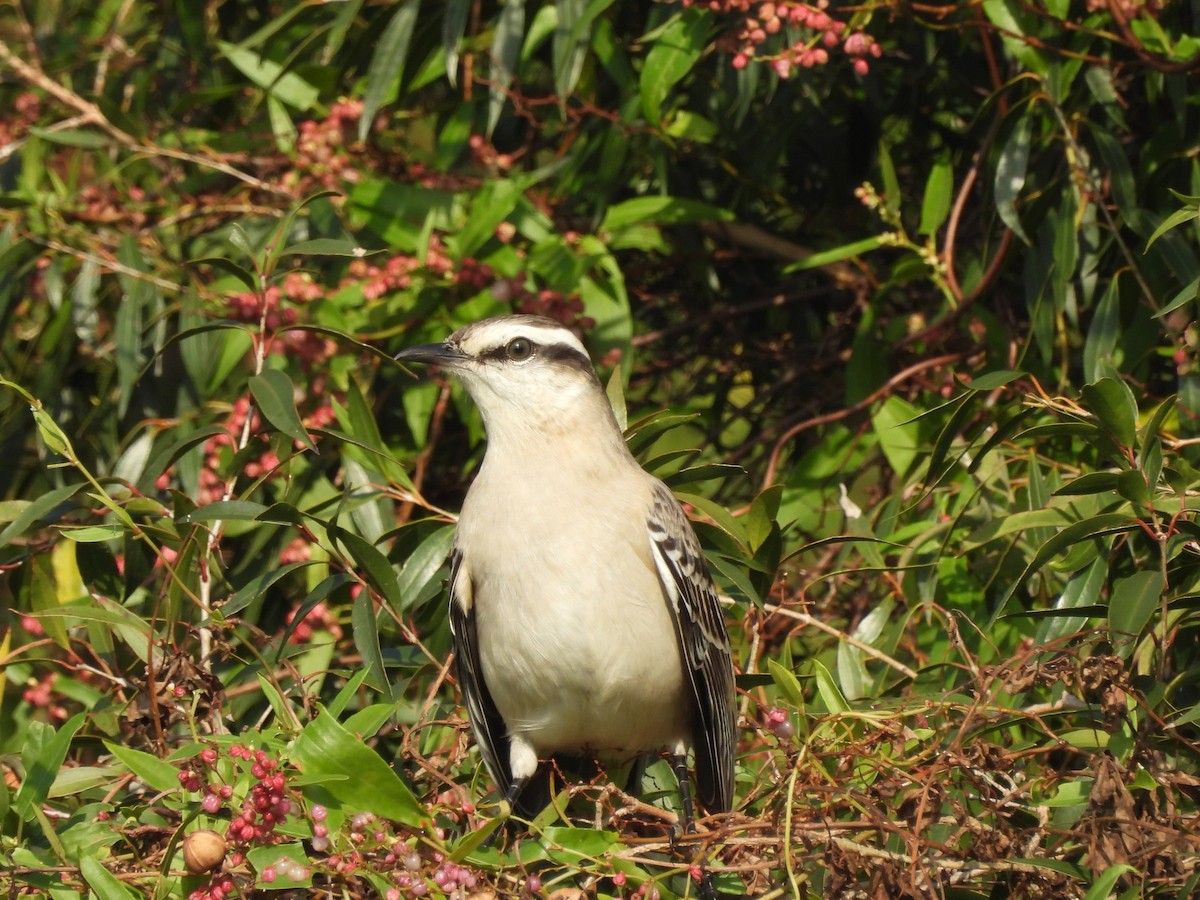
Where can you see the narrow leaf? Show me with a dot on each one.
(506, 50)
(1010, 174)
(275, 396)
(366, 639)
(105, 884)
(162, 776)
(387, 64)
(43, 754)
(37, 511)
(454, 26)
(827, 690)
(1133, 602)
(939, 187)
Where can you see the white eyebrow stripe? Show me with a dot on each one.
(480, 337)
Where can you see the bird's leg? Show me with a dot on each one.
(679, 764)
(507, 806)
(512, 794)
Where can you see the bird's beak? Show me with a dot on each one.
(444, 354)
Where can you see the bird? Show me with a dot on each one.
(585, 622)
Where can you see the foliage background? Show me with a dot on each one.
(916, 282)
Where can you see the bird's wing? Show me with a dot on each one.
(490, 731)
(704, 646)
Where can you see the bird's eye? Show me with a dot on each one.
(519, 349)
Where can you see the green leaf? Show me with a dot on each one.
(34, 511)
(1103, 337)
(162, 776)
(327, 247)
(1082, 592)
(271, 76)
(226, 510)
(454, 26)
(424, 562)
(315, 596)
(360, 778)
(168, 456)
(387, 63)
(672, 210)
(898, 433)
(493, 203)
(676, 50)
(275, 395)
(93, 533)
(1103, 887)
(939, 187)
(1093, 527)
(1111, 401)
(43, 754)
(827, 690)
(506, 50)
(851, 660)
(715, 511)
(1133, 601)
(379, 571)
(1003, 14)
(1177, 218)
(1091, 483)
(836, 254)
(1010, 173)
(787, 682)
(366, 640)
(571, 40)
(72, 137)
(259, 586)
(105, 884)
(1184, 297)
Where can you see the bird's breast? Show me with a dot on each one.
(576, 642)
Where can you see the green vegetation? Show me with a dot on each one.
(900, 299)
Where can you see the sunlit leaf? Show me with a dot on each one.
(387, 62)
(275, 395)
(1011, 170)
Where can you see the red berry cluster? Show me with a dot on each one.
(218, 887)
(265, 808)
(396, 274)
(319, 618)
(790, 35)
(487, 155)
(212, 483)
(322, 160)
(41, 693)
(22, 115)
(268, 309)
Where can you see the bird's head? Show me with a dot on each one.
(523, 372)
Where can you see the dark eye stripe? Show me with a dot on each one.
(560, 354)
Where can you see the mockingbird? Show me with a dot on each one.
(585, 622)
